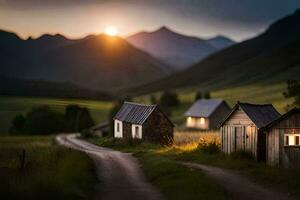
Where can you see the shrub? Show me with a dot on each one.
(168, 100)
(202, 95)
(43, 120)
(17, 124)
(77, 118)
(86, 134)
(211, 147)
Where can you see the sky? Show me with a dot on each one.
(237, 19)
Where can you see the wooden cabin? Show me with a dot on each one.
(283, 140)
(145, 122)
(206, 114)
(241, 129)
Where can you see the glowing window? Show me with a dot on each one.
(202, 120)
(292, 139)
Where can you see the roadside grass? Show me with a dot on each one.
(47, 172)
(161, 167)
(12, 106)
(174, 180)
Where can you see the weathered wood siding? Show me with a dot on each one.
(239, 133)
(127, 130)
(277, 153)
(273, 147)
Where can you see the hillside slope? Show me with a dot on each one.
(95, 62)
(271, 56)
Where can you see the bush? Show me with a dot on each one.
(86, 134)
(17, 124)
(202, 95)
(168, 100)
(211, 147)
(77, 118)
(43, 120)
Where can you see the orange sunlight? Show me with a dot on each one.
(111, 30)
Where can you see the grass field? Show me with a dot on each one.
(12, 106)
(257, 93)
(47, 172)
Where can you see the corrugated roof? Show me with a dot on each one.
(203, 107)
(260, 114)
(134, 113)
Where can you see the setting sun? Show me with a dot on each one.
(111, 30)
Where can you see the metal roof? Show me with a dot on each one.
(284, 116)
(203, 107)
(134, 113)
(260, 114)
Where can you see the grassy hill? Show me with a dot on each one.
(254, 93)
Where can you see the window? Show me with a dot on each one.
(118, 127)
(202, 120)
(137, 130)
(292, 139)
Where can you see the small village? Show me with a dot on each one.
(258, 129)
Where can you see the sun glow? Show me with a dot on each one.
(111, 30)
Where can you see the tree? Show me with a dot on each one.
(168, 100)
(17, 124)
(202, 95)
(206, 95)
(153, 99)
(293, 91)
(77, 118)
(198, 95)
(43, 120)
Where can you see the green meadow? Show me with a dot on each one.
(36, 168)
(257, 93)
(12, 106)
(261, 93)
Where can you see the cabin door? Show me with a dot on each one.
(239, 140)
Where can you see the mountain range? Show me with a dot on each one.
(273, 56)
(177, 50)
(96, 62)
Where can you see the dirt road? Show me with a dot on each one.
(237, 185)
(119, 173)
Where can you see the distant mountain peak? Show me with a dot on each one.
(51, 36)
(176, 49)
(164, 29)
